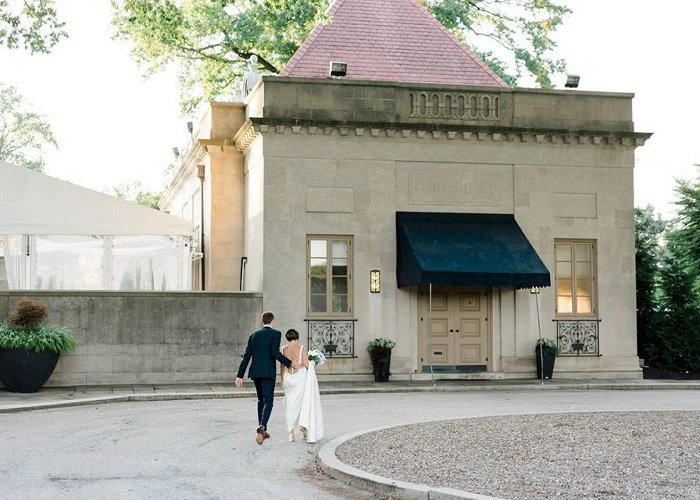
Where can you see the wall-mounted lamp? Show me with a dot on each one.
(375, 284)
(572, 81)
(534, 289)
(176, 152)
(190, 127)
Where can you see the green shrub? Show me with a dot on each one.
(377, 347)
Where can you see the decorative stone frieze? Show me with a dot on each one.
(466, 106)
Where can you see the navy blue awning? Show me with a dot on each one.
(465, 249)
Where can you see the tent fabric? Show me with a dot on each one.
(34, 203)
(465, 249)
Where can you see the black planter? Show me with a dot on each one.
(381, 363)
(548, 356)
(26, 371)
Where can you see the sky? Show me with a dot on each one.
(114, 126)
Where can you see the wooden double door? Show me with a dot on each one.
(459, 338)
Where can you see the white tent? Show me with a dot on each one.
(34, 203)
(56, 235)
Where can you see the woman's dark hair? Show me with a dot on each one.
(291, 334)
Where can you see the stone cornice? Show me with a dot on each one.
(254, 126)
(184, 170)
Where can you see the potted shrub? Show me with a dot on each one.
(546, 351)
(29, 349)
(380, 354)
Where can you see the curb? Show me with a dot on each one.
(332, 467)
(199, 395)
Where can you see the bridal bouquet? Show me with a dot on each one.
(317, 357)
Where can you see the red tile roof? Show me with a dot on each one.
(388, 40)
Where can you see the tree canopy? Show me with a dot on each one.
(32, 25)
(134, 191)
(23, 134)
(211, 40)
(689, 214)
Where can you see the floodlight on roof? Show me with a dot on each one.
(572, 81)
(338, 68)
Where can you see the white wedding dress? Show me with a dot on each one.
(302, 401)
(310, 415)
(294, 385)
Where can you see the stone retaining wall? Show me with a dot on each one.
(148, 337)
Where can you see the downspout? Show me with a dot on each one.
(244, 261)
(202, 273)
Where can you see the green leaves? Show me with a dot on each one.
(547, 344)
(41, 338)
(23, 134)
(211, 40)
(32, 25)
(380, 343)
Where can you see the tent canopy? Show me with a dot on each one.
(465, 249)
(34, 203)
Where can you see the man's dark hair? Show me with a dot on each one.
(291, 334)
(267, 317)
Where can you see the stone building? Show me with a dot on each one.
(409, 193)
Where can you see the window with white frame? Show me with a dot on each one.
(575, 277)
(329, 276)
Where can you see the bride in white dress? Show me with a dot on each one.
(302, 401)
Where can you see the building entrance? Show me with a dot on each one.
(459, 338)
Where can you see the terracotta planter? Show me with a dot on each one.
(26, 371)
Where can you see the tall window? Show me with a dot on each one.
(575, 277)
(329, 275)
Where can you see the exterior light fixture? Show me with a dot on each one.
(572, 81)
(338, 68)
(375, 285)
(534, 290)
(190, 127)
(176, 152)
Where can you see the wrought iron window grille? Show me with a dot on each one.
(333, 337)
(578, 337)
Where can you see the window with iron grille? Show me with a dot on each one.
(329, 276)
(575, 278)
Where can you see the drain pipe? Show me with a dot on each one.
(244, 262)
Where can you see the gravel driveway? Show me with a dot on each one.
(641, 455)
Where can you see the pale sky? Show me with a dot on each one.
(113, 126)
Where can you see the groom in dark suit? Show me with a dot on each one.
(264, 348)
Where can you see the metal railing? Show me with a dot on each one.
(333, 337)
(578, 337)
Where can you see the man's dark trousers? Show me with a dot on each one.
(265, 387)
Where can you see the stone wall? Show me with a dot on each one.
(148, 337)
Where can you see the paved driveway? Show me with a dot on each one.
(206, 448)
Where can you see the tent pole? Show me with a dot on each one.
(430, 332)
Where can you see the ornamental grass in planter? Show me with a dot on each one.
(29, 348)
